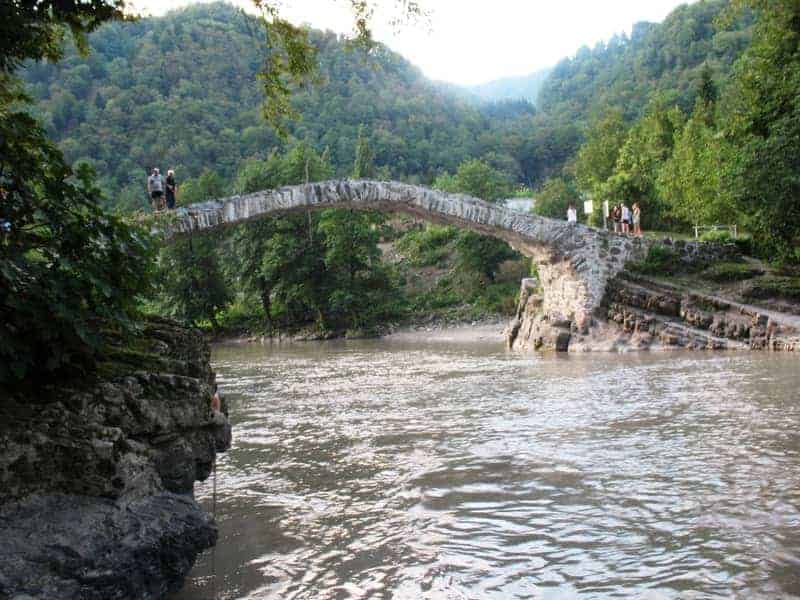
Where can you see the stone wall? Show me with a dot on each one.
(96, 483)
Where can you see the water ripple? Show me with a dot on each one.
(385, 470)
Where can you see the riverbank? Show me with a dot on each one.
(484, 329)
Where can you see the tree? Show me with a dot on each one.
(477, 178)
(69, 273)
(364, 166)
(689, 182)
(598, 156)
(649, 145)
(209, 186)
(191, 283)
(763, 125)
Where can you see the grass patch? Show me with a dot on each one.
(786, 288)
(729, 271)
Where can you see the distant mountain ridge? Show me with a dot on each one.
(522, 87)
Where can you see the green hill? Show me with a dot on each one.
(666, 58)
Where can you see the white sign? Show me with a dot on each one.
(588, 207)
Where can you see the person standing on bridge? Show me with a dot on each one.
(572, 214)
(171, 189)
(637, 219)
(626, 219)
(155, 187)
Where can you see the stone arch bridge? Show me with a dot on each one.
(574, 262)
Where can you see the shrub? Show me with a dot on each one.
(429, 246)
(70, 274)
(787, 288)
(720, 236)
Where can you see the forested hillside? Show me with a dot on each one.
(667, 58)
(181, 91)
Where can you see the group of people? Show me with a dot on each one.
(161, 190)
(626, 220)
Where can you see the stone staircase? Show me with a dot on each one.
(653, 314)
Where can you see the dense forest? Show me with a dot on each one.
(182, 92)
(665, 58)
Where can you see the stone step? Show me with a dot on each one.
(669, 331)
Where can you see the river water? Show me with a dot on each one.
(388, 469)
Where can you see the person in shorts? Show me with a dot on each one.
(626, 219)
(155, 187)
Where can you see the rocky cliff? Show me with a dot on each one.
(96, 480)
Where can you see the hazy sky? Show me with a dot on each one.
(473, 41)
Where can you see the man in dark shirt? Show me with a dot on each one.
(172, 189)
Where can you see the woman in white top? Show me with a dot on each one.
(626, 219)
(572, 214)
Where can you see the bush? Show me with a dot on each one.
(728, 271)
(660, 261)
(429, 246)
(718, 237)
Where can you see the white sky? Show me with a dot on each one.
(474, 41)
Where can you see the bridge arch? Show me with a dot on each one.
(574, 262)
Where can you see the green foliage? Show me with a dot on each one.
(191, 285)
(763, 126)
(429, 246)
(649, 143)
(181, 92)
(477, 178)
(690, 180)
(668, 58)
(69, 273)
(598, 155)
(364, 165)
(208, 186)
(660, 260)
(720, 236)
(731, 271)
(319, 269)
(478, 255)
(787, 288)
(36, 30)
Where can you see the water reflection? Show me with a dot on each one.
(395, 470)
